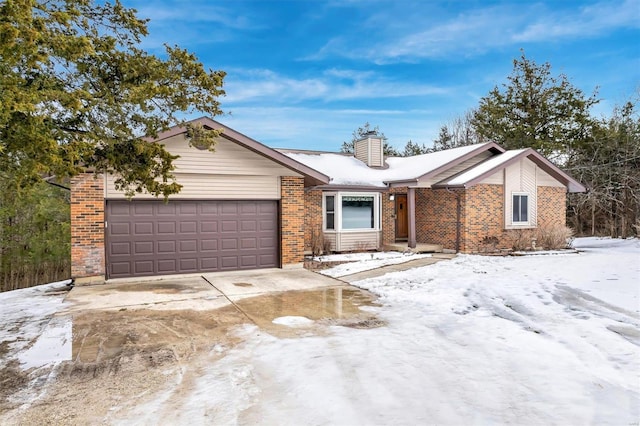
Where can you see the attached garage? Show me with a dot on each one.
(241, 207)
(146, 237)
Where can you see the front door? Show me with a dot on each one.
(402, 217)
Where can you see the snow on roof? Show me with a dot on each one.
(484, 167)
(347, 170)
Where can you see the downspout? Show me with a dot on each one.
(458, 216)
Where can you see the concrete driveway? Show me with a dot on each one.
(197, 292)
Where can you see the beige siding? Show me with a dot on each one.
(545, 179)
(455, 170)
(369, 151)
(200, 186)
(520, 177)
(376, 155)
(332, 238)
(361, 150)
(355, 241)
(228, 158)
(230, 172)
(495, 179)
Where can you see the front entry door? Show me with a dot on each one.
(402, 217)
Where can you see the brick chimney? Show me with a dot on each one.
(370, 150)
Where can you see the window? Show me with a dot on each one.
(330, 213)
(358, 212)
(520, 208)
(351, 211)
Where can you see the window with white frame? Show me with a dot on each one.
(329, 212)
(520, 208)
(351, 211)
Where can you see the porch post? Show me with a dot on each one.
(411, 205)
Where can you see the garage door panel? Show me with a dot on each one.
(120, 229)
(267, 225)
(142, 209)
(248, 226)
(143, 267)
(167, 266)
(187, 208)
(267, 242)
(208, 245)
(166, 227)
(188, 246)
(150, 237)
(190, 227)
(209, 226)
(120, 210)
(143, 228)
(121, 268)
(248, 243)
(165, 247)
(269, 259)
(229, 208)
(143, 247)
(208, 263)
(120, 248)
(229, 262)
(248, 209)
(168, 209)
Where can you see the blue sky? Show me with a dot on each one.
(306, 74)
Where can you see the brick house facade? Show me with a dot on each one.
(247, 206)
(241, 207)
(457, 207)
(87, 227)
(292, 218)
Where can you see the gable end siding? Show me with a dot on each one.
(230, 172)
(458, 168)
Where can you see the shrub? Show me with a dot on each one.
(554, 237)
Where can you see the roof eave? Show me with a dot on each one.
(367, 188)
(571, 184)
(489, 146)
(312, 176)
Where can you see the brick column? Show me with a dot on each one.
(292, 221)
(87, 228)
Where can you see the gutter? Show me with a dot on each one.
(49, 181)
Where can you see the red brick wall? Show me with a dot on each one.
(436, 216)
(485, 213)
(312, 215)
(484, 210)
(292, 217)
(552, 206)
(87, 226)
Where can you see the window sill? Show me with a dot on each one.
(347, 231)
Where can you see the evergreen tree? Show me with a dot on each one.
(535, 109)
(79, 93)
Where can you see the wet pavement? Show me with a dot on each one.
(184, 313)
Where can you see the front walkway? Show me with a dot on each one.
(378, 272)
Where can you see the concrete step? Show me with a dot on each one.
(419, 248)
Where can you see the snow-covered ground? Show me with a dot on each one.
(525, 340)
(477, 340)
(358, 262)
(29, 327)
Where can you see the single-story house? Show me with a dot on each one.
(248, 206)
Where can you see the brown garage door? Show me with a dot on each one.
(156, 238)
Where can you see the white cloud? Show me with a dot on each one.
(588, 21)
(476, 31)
(332, 85)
